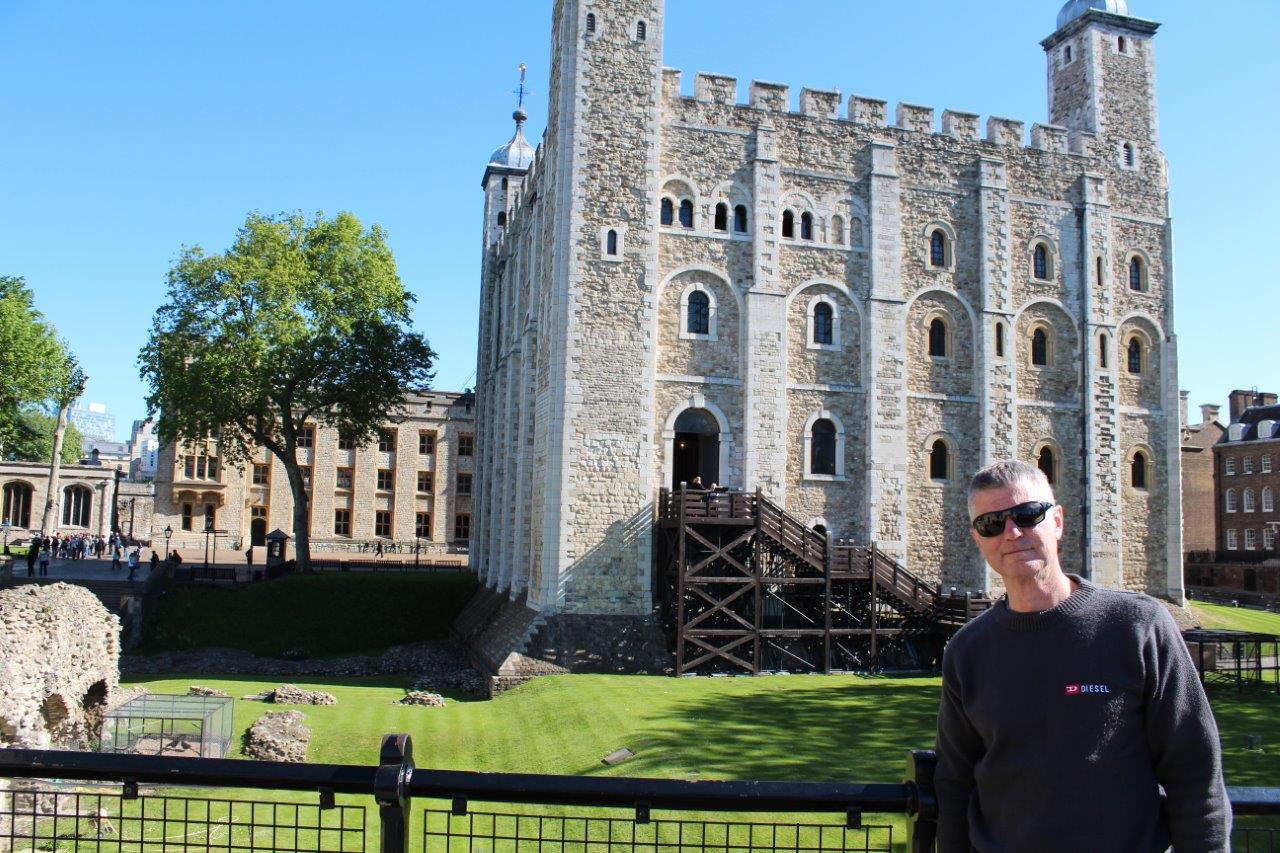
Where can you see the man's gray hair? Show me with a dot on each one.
(1007, 472)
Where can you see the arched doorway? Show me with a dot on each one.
(695, 450)
(258, 532)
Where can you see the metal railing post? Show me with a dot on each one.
(922, 826)
(391, 791)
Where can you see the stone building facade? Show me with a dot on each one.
(1199, 485)
(850, 308)
(1247, 465)
(83, 500)
(413, 486)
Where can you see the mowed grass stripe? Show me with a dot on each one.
(1237, 618)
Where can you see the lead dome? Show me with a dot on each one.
(1075, 8)
(518, 153)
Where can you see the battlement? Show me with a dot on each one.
(872, 112)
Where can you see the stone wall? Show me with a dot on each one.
(59, 670)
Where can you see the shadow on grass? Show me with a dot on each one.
(859, 732)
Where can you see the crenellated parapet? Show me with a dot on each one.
(771, 97)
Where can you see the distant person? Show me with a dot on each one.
(134, 558)
(176, 557)
(44, 560)
(33, 554)
(696, 483)
(248, 556)
(377, 551)
(115, 557)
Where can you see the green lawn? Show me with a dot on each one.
(310, 615)
(1237, 618)
(835, 728)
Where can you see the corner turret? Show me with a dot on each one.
(505, 173)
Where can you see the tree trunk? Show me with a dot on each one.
(48, 521)
(301, 512)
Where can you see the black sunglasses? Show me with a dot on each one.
(1028, 514)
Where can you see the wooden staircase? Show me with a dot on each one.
(747, 587)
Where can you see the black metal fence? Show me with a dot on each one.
(113, 802)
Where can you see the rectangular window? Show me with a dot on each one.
(344, 478)
(305, 471)
(210, 518)
(1251, 540)
(386, 480)
(1269, 538)
(186, 516)
(1266, 464)
(1247, 466)
(261, 474)
(422, 525)
(258, 512)
(466, 445)
(426, 443)
(382, 523)
(1232, 542)
(426, 482)
(342, 522)
(462, 526)
(307, 436)
(200, 467)
(189, 467)
(346, 443)
(1229, 464)
(464, 484)
(386, 441)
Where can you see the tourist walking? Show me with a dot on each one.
(44, 559)
(155, 561)
(134, 558)
(115, 558)
(33, 553)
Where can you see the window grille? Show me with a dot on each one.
(699, 320)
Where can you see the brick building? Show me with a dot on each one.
(1199, 486)
(412, 486)
(1247, 463)
(849, 308)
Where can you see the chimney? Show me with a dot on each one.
(1266, 399)
(1209, 413)
(1239, 400)
(1182, 401)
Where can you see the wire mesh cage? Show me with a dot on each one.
(161, 724)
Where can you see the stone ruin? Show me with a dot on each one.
(59, 666)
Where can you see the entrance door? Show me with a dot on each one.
(696, 448)
(258, 532)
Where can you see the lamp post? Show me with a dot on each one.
(208, 529)
(417, 547)
(132, 501)
(168, 534)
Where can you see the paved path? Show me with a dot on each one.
(88, 569)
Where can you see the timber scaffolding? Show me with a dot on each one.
(745, 587)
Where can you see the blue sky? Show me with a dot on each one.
(132, 129)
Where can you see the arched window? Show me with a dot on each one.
(822, 451)
(820, 529)
(823, 323)
(788, 224)
(806, 226)
(77, 503)
(1040, 262)
(1232, 505)
(1249, 505)
(686, 214)
(939, 461)
(502, 219)
(591, 23)
(699, 322)
(611, 243)
(722, 217)
(937, 248)
(504, 184)
(1137, 275)
(1129, 159)
(1046, 463)
(1102, 350)
(837, 230)
(1268, 500)
(1135, 355)
(668, 212)
(642, 31)
(17, 504)
(1122, 44)
(1138, 470)
(740, 219)
(1040, 348)
(999, 340)
(937, 338)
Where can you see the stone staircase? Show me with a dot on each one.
(497, 629)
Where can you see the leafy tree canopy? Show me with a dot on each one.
(33, 440)
(31, 356)
(300, 320)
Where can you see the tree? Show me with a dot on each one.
(68, 385)
(30, 355)
(300, 321)
(33, 441)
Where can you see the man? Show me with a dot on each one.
(1067, 706)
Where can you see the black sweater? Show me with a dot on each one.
(1057, 727)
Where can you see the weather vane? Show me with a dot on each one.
(521, 92)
